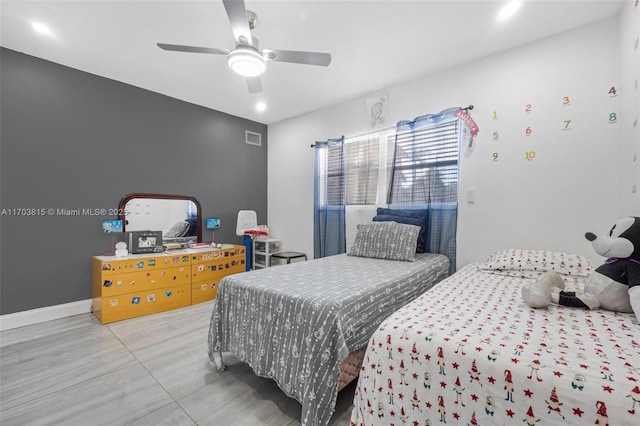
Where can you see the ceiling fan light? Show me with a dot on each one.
(246, 61)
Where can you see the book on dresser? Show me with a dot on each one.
(142, 284)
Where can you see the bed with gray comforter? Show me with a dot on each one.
(296, 323)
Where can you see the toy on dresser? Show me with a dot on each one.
(121, 249)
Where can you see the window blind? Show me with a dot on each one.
(425, 165)
(335, 175)
(362, 154)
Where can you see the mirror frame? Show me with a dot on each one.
(129, 197)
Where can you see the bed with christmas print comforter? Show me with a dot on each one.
(471, 352)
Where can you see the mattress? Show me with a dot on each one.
(471, 352)
(296, 323)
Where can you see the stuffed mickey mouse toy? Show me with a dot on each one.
(614, 286)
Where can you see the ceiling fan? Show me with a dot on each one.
(247, 59)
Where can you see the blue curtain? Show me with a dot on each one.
(329, 236)
(425, 174)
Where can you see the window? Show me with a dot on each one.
(425, 165)
(361, 169)
(329, 210)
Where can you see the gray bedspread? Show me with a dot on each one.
(296, 323)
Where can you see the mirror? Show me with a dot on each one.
(179, 217)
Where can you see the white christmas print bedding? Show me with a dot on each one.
(470, 352)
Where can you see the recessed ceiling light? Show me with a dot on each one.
(41, 28)
(261, 106)
(509, 10)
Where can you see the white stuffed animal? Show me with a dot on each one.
(614, 286)
(121, 249)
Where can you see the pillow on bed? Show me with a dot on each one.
(386, 240)
(531, 263)
(179, 229)
(422, 235)
(404, 216)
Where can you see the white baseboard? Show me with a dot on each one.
(48, 313)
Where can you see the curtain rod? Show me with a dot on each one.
(368, 133)
(469, 108)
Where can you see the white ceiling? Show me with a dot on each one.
(374, 44)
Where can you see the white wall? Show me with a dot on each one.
(629, 183)
(569, 188)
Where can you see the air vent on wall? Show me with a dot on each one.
(253, 138)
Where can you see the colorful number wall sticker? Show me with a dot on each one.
(613, 117)
(533, 130)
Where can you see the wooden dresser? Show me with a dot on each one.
(142, 284)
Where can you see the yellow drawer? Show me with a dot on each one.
(204, 290)
(208, 256)
(218, 254)
(201, 271)
(235, 269)
(119, 307)
(201, 291)
(123, 283)
(142, 264)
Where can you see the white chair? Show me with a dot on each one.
(247, 219)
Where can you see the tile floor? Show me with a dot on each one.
(152, 370)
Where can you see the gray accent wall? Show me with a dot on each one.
(74, 140)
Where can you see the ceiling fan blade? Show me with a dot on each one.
(254, 84)
(237, 14)
(297, 57)
(192, 49)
